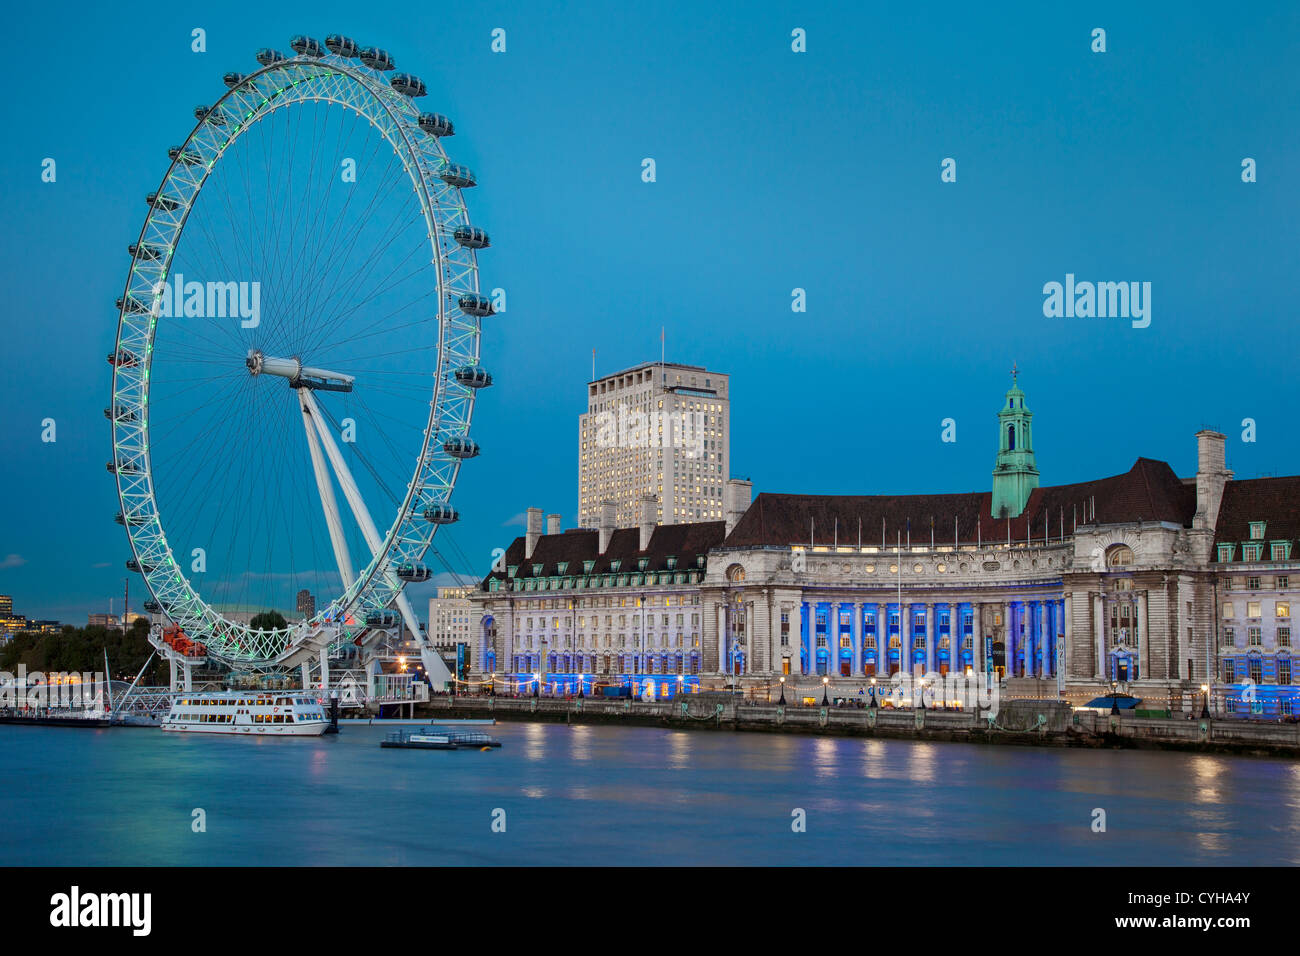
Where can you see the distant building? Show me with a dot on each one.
(104, 620)
(6, 605)
(449, 620)
(659, 430)
(306, 603)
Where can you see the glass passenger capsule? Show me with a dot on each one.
(471, 237)
(461, 447)
(435, 124)
(460, 176)
(340, 45)
(377, 59)
(307, 46)
(473, 376)
(408, 84)
(441, 514)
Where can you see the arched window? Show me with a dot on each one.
(735, 573)
(1011, 438)
(1119, 555)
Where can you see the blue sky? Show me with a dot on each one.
(775, 170)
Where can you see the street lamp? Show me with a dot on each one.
(874, 705)
(1205, 705)
(537, 685)
(920, 690)
(782, 700)
(1114, 700)
(581, 678)
(492, 685)
(825, 683)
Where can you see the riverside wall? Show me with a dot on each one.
(1018, 722)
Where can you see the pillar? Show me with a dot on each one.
(1144, 646)
(931, 636)
(856, 640)
(1099, 635)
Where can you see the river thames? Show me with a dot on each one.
(620, 795)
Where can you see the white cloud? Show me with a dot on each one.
(12, 561)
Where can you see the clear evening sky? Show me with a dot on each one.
(776, 170)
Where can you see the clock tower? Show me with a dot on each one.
(1015, 474)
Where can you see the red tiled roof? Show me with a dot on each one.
(1149, 491)
(1275, 501)
(685, 542)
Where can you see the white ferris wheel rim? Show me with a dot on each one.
(333, 79)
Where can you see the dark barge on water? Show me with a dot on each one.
(438, 740)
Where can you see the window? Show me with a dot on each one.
(1254, 636)
(1283, 581)
(1284, 637)
(1252, 609)
(1278, 551)
(1225, 552)
(1229, 638)
(1252, 583)
(1229, 672)
(1251, 552)
(1283, 608)
(1256, 530)
(1227, 610)
(1284, 670)
(1119, 555)
(1256, 669)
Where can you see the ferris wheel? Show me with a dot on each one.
(302, 313)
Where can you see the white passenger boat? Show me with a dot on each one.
(257, 713)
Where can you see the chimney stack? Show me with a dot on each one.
(553, 524)
(738, 494)
(649, 504)
(533, 530)
(1211, 475)
(608, 517)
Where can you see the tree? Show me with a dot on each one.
(268, 621)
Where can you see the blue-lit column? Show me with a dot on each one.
(805, 660)
(856, 662)
(1031, 642)
(1041, 661)
(931, 636)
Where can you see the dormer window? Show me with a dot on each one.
(614, 565)
(561, 568)
(672, 562)
(1257, 530)
(537, 570)
(587, 566)
(642, 563)
(1226, 551)
(512, 570)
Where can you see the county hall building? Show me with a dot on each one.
(1163, 583)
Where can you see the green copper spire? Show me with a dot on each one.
(1015, 474)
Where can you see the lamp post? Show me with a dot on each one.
(537, 685)
(1114, 700)
(873, 704)
(782, 700)
(1205, 704)
(825, 685)
(581, 678)
(492, 685)
(920, 691)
